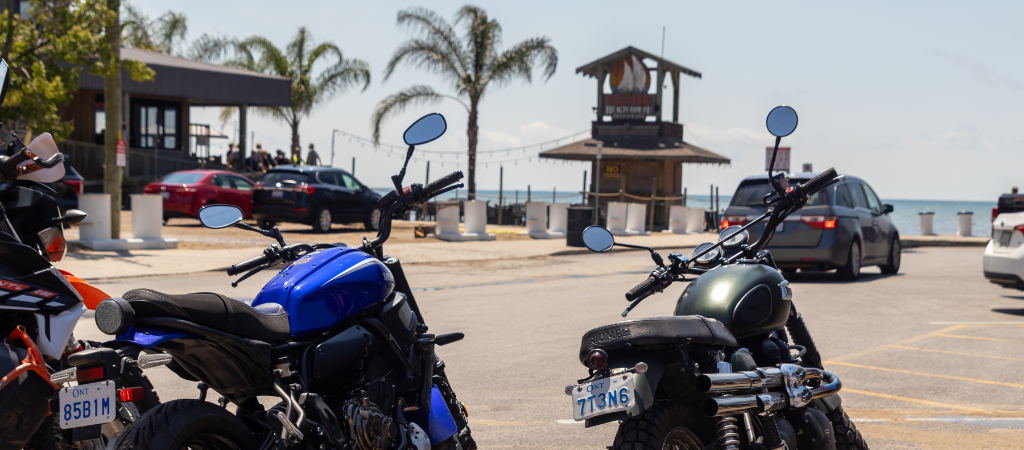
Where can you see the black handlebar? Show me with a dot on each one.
(817, 183)
(643, 288)
(435, 186)
(48, 163)
(246, 266)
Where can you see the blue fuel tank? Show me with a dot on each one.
(326, 287)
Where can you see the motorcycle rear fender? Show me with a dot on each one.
(147, 337)
(645, 385)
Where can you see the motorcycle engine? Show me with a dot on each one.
(369, 427)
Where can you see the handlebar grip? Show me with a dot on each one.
(246, 266)
(815, 184)
(642, 289)
(53, 161)
(441, 183)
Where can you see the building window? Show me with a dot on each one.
(155, 124)
(100, 120)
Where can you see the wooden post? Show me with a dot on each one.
(529, 196)
(650, 214)
(501, 192)
(661, 83)
(113, 174)
(684, 197)
(583, 192)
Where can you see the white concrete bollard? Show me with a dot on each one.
(147, 216)
(97, 225)
(694, 220)
(616, 222)
(476, 217)
(965, 218)
(636, 218)
(448, 223)
(677, 219)
(559, 223)
(927, 223)
(537, 219)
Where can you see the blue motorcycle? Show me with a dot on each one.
(336, 335)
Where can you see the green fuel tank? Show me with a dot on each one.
(750, 299)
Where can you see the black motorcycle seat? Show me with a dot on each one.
(656, 330)
(266, 322)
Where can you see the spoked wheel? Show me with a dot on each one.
(322, 221)
(663, 426)
(851, 271)
(188, 424)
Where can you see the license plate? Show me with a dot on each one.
(1004, 238)
(88, 404)
(603, 396)
(277, 194)
(165, 194)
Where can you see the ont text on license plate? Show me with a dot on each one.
(88, 404)
(603, 396)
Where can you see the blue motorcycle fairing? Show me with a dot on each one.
(151, 337)
(439, 424)
(327, 286)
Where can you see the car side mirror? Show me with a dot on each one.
(886, 208)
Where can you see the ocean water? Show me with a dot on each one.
(904, 215)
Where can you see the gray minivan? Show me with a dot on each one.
(843, 227)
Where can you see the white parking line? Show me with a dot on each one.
(975, 323)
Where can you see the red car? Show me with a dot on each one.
(186, 191)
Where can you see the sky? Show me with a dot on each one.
(921, 99)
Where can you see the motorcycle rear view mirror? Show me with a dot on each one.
(72, 217)
(598, 239)
(4, 75)
(220, 216)
(428, 128)
(782, 120)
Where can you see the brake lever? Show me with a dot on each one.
(636, 302)
(248, 274)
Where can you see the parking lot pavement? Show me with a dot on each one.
(930, 358)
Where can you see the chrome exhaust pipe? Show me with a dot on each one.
(762, 377)
(727, 406)
(796, 395)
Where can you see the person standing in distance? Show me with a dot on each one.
(312, 158)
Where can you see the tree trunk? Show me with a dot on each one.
(471, 133)
(295, 135)
(112, 174)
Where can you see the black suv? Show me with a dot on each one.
(314, 195)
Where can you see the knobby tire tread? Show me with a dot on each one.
(641, 432)
(847, 435)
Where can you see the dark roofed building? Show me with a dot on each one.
(638, 157)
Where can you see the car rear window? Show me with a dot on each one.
(183, 178)
(751, 193)
(275, 178)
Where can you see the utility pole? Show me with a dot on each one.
(334, 132)
(501, 192)
(112, 173)
(353, 166)
(597, 175)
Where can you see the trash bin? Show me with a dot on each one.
(579, 218)
(927, 223)
(965, 218)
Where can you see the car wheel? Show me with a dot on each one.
(851, 271)
(892, 265)
(266, 224)
(372, 222)
(322, 220)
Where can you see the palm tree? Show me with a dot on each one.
(470, 65)
(165, 34)
(295, 62)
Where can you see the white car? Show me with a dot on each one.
(1004, 256)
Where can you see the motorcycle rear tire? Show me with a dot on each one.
(181, 423)
(665, 425)
(847, 436)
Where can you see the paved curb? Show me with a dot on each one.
(913, 243)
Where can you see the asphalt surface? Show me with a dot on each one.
(929, 358)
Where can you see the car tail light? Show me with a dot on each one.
(184, 191)
(995, 213)
(597, 359)
(820, 222)
(728, 221)
(149, 189)
(310, 190)
(1019, 228)
(75, 185)
(131, 394)
(90, 374)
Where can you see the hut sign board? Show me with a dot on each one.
(781, 160)
(630, 81)
(612, 171)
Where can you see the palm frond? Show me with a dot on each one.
(170, 29)
(298, 47)
(428, 55)
(210, 48)
(436, 31)
(518, 61)
(396, 103)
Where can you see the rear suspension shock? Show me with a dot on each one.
(728, 437)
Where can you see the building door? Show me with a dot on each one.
(156, 125)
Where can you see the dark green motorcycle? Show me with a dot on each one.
(722, 372)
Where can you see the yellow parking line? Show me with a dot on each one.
(923, 374)
(914, 400)
(942, 332)
(960, 336)
(954, 353)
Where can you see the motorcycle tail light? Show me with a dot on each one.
(820, 222)
(728, 221)
(131, 394)
(597, 359)
(90, 374)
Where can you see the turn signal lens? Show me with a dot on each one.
(131, 394)
(820, 222)
(90, 374)
(597, 359)
(728, 221)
